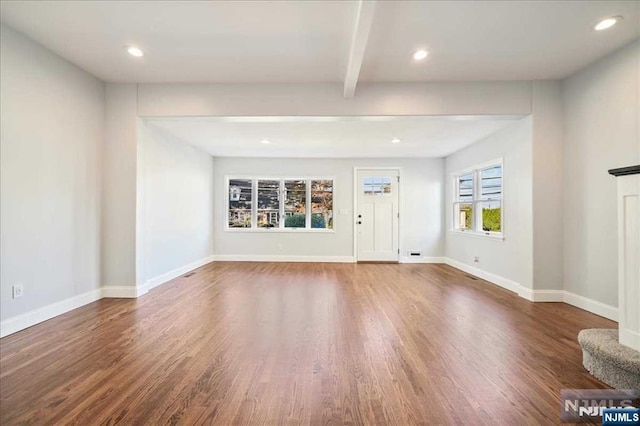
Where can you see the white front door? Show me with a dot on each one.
(377, 215)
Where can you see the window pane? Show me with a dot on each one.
(368, 186)
(491, 183)
(239, 203)
(295, 197)
(322, 204)
(465, 187)
(463, 216)
(491, 216)
(377, 186)
(268, 203)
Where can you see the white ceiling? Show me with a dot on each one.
(199, 41)
(310, 41)
(332, 137)
(500, 40)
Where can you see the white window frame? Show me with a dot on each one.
(476, 224)
(254, 204)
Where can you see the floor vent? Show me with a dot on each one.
(471, 276)
(188, 275)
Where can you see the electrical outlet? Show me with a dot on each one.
(476, 259)
(18, 291)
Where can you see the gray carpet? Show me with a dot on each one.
(615, 364)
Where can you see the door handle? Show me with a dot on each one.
(359, 216)
(359, 222)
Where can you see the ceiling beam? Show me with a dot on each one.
(364, 20)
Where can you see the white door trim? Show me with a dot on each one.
(355, 208)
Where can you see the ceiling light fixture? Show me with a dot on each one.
(419, 55)
(607, 23)
(134, 51)
(395, 140)
(265, 141)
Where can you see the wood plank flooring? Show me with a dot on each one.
(275, 343)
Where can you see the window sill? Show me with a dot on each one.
(280, 230)
(483, 235)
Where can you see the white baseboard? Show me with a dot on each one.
(418, 259)
(629, 338)
(526, 293)
(121, 292)
(20, 322)
(541, 295)
(492, 278)
(168, 276)
(590, 305)
(547, 295)
(279, 258)
(593, 306)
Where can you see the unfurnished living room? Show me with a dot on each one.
(320, 212)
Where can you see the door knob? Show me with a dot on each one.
(359, 216)
(359, 222)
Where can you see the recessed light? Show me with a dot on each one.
(395, 140)
(134, 51)
(607, 23)
(419, 55)
(265, 141)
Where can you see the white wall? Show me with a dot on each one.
(439, 98)
(52, 124)
(177, 204)
(601, 116)
(118, 266)
(548, 173)
(512, 258)
(421, 212)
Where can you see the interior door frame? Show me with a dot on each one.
(400, 209)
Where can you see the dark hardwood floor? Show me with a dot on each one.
(265, 343)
